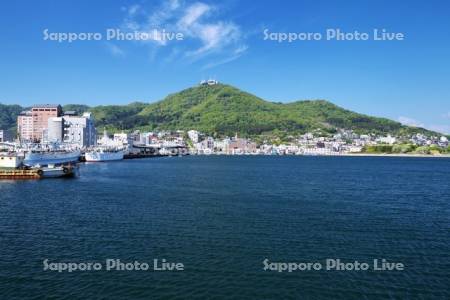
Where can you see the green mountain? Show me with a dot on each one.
(225, 110)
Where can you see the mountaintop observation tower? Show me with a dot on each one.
(209, 82)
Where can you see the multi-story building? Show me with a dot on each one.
(239, 145)
(2, 136)
(55, 132)
(194, 136)
(221, 146)
(206, 144)
(40, 115)
(25, 126)
(79, 130)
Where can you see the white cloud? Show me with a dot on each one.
(115, 50)
(410, 122)
(205, 34)
(237, 53)
(215, 36)
(162, 14)
(174, 4)
(193, 13)
(241, 49)
(133, 9)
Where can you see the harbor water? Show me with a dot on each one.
(222, 217)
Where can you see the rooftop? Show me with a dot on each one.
(46, 106)
(70, 113)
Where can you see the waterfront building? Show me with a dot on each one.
(386, 140)
(40, 115)
(25, 126)
(365, 137)
(5, 136)
(72, 129)
(134, 137)
(55, 130)
(122, 139)
(291, 149)
(148, 138)
(418, 139)
(208, 143)
(443, 141)
(239, 145)
(171, 143)
(179, 140)
(194, 136)
(354, 149)
(221, 145)
(163, 134)
(319, 151)
(80, 130)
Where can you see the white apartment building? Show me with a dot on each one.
(80, 130)
(2, 136)
(194, 136)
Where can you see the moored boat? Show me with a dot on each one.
(12, 167)
(104, 154)
(61, 171)
(47, 157)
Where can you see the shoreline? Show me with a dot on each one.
(338, 155)
(395, 155)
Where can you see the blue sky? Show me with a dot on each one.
(407, 80)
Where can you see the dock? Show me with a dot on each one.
(20, 174)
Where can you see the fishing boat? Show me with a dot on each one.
(52, 171)
(104, 154)
(49, 156)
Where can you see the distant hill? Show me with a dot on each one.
(225, 110)
(8, 117)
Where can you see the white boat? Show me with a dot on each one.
(47, 157)
(104, 154)
(54, 172)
